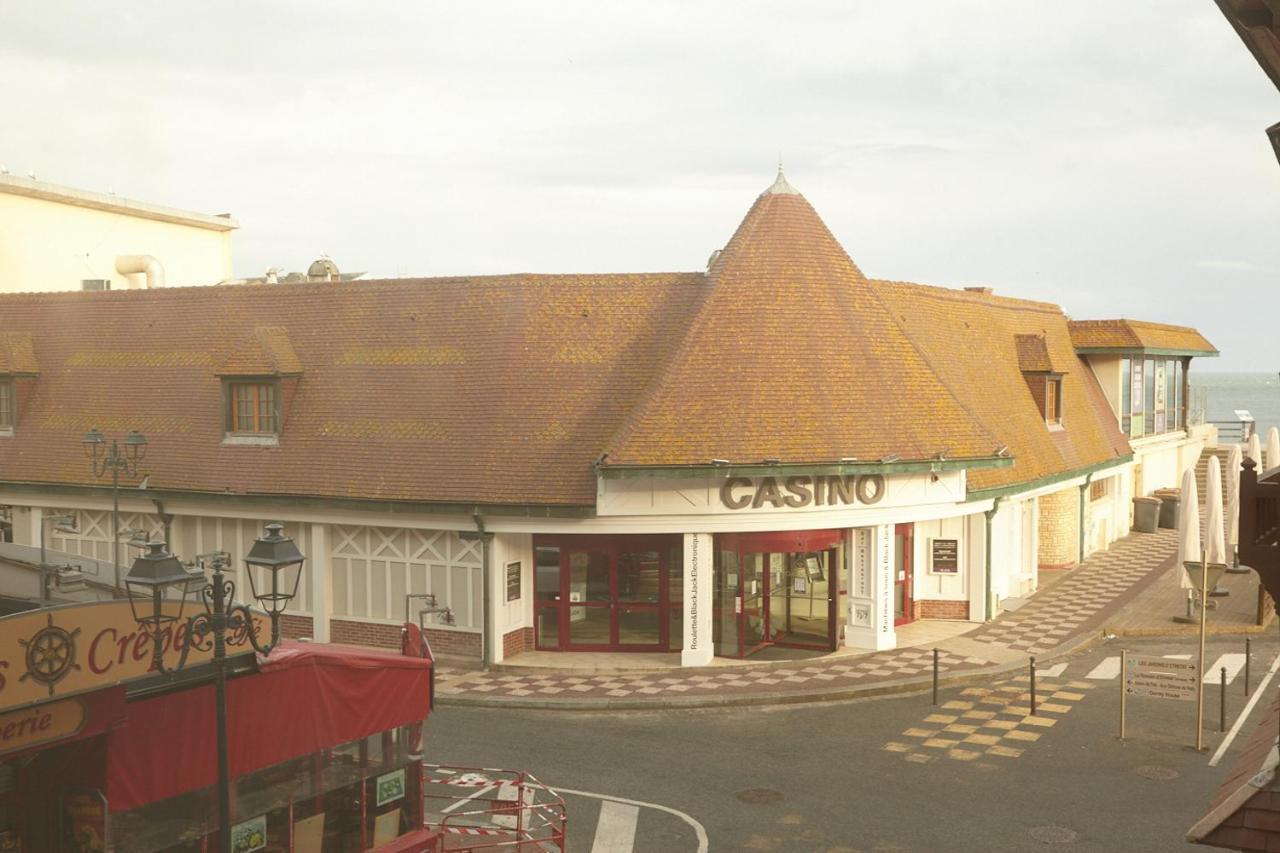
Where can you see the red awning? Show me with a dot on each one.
(305, 697)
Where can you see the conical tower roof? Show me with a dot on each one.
(792, 356)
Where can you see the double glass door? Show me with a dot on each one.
(777, 589)
(600, 593)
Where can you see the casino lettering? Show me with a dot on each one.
(801, 491)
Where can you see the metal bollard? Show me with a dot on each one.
(1248, 655)
(1222, 701)
(1033, 687)
(935, 676)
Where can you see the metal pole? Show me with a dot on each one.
(1124, 691)
(1033, 687)
(935, 676)
(1204, 599)
(1222, 701)
(219, 621)
(114, 461)
(44, 566)
(1248, 654)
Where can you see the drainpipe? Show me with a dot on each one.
(134, 264)
(990, 514)
(486, 654)
(1083, 488)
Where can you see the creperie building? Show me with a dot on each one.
(774, 450)
(99, 752)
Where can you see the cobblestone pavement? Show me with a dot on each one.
(1073, 607)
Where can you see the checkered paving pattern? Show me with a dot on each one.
(1080, 601)
(991, 721)
(1077, 603)
(748, 680)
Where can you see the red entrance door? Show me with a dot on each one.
(903, 548)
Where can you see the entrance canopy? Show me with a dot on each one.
(303, 699)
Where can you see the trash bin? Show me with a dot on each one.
(1170, 500)
(1146, 514)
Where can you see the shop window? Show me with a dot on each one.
(8, 405)
(252, 408)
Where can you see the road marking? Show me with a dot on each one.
(1108, 669)
(1177, 657)
(1233, 661)
(698, 829)
(1253, 700)
(468, 798)
(1053, 671)
(616, 828)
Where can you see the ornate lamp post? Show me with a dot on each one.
(158, 586)
(102, 460)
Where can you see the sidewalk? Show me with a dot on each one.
(1065, 616)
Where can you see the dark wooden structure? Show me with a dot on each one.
(1260, 524)
(1257, 22)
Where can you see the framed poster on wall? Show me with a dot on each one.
(513, 581)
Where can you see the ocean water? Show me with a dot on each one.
(1222, 393)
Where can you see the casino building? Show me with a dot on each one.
(777, 450)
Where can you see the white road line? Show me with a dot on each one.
(616, 829)
(1253, 700)
(1108, 669)
(468, 798)
(698, 829)
(1233, 661)
(1053, 671)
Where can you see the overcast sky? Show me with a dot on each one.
(1106, 156)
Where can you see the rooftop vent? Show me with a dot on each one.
(985, 290)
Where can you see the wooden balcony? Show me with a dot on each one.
(1260, 524)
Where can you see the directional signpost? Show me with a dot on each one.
(1156, 678)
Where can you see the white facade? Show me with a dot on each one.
(56, 238)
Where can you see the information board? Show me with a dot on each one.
(946, 556)
(1160, 678)
(513, 581)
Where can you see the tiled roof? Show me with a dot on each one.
(1245, 811)
(17, 356)
(1138, 335)
(792, 356)
(1033, 354)
(266, 351)
(977, 342)
(499, 389)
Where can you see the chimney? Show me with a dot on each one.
(983, 290)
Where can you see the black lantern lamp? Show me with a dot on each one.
(92, 442)
(277, 555)
(151, 576)
(135, 444)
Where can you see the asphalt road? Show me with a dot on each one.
(881, 774)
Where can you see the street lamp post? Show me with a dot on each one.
(102, 460)
(158, 572)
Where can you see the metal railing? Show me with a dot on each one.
(1237, 430)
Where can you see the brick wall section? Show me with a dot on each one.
(517, 641)
(365, 634)
(1060, 528)
(456, 643)
(930, 609)
(293, 627)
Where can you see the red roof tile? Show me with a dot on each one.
(1137, 335)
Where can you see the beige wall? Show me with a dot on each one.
(1107, 369)
(49, 245)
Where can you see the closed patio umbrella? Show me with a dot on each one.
(1273, 448)
(1215, 533)
(1254, 451)
(1232, 519)
(1188, 526)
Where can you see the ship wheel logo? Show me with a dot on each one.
(51, 655)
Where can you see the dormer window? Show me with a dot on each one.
(1053, 400)
(253, 408)
(8, 405)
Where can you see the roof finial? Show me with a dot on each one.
(780, 185)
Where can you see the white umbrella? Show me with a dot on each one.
(1254, 452)
(1215, 546)
(1188, 526)
(1273, 448)
(1233, 497)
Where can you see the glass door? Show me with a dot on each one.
(802, 598)
(640, 578)
(587, 586)
(754, 619)
(903, 548)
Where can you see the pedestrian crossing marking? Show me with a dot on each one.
(1233, 661)
(1106, 670)
(1177, 657)
(1053, 671)
(616, 828)
(1004, 726)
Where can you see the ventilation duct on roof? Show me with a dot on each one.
(128, 265)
